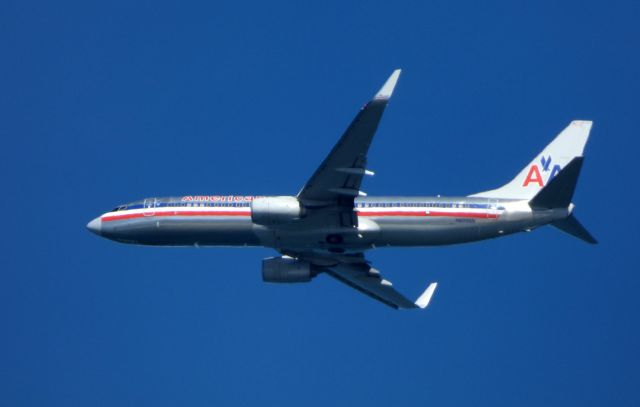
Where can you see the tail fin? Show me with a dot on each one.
(557, 194)
(567, 146)
(559, 191)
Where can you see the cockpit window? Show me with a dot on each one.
(119, 208)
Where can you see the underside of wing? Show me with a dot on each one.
(337, 180)
(367, 280)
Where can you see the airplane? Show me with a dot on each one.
(330, 224)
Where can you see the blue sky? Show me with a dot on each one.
(111, 102)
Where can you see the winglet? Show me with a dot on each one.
(425, 298)
(387, 89)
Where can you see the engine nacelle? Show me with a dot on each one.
(275, 210)
(286, 270)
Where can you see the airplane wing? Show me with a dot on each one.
(367, 280)
(337, 181)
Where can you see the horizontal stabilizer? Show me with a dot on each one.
(572, 226)
(559, 191)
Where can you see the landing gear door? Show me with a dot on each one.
(149, 206)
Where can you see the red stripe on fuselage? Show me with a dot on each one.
(432, 213)
(109, 218)
(465, 215)
(391, 213)
(124, 216)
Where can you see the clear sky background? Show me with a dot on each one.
(110, 102)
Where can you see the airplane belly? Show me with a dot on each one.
(449, 230)
(318, 238)
(427, 233)
(184, 231)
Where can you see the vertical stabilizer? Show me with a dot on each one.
(559, 190)
(568, 145)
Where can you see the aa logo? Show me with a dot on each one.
(535, 176)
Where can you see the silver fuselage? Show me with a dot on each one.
(382, 221)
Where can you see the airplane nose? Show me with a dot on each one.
(95, 226)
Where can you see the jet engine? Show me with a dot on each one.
(275, 210)
(286, 270)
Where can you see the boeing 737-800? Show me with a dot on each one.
(330, 224)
